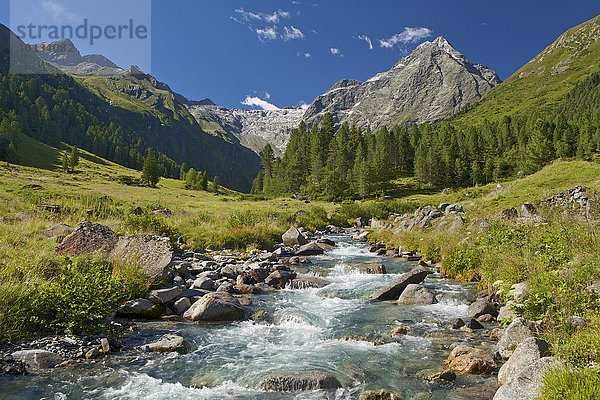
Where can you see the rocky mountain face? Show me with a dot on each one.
(64, 55)
(252, 128)
(432, 83)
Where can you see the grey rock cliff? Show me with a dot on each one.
(432, 83)
(252, 128)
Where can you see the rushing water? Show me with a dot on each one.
(301, 331)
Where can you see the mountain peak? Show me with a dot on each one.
(433, 82)
(134, 70)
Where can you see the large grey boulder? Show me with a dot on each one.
(152, 254)
(38, 358)
(305, 282)
(309, 249)
(218, 306)
(164, 296)
(519, 330)
(279, 279)
(169, 343)
(415, 294)
(302, 381)
(393, 289)
(527, 353)
(87, 238)
(481, 307)
(293, 237)
(528, 384)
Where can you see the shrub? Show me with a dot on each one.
(243, 218)
(84, 294)
(150, 223)
(462, 263)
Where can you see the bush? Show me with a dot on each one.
(78, 299)
(84, 294)
(150, 223)
(462, 263)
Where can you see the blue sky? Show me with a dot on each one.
(287, 52)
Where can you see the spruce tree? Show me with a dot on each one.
(74, 158)
(216, 185)
(65, 162)
(150, 170)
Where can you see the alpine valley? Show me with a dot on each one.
(431, 233)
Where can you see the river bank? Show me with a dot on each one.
(336, 329)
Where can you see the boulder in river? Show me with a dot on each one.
(380, 395)
(152, 254)
(470, 360)
(169, 343)
(293, 237)
(310, 249)
(217, 306)
(87, 238)
(393, 289)
(301, 381)
(416, 294)
(376, 268)
(38, 358)
(279, 279)
(307, 281)
(481, 307)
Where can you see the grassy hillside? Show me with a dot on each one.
(542, 83)
(486, 201)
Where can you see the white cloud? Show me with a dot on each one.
(366, 39)
(57, 12)
(307, 55)
(336, 52)
(267, 95)
(267, 33)
(265, 17)
(407, 36)
(258, 102)
(292, 33)
(303, 105)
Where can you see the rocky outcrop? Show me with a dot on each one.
(432, 83)
(292, 382)
(152, 254)
(393, 289)
(218, 306)
(87, 238)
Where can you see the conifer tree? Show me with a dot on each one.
(150, 170)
